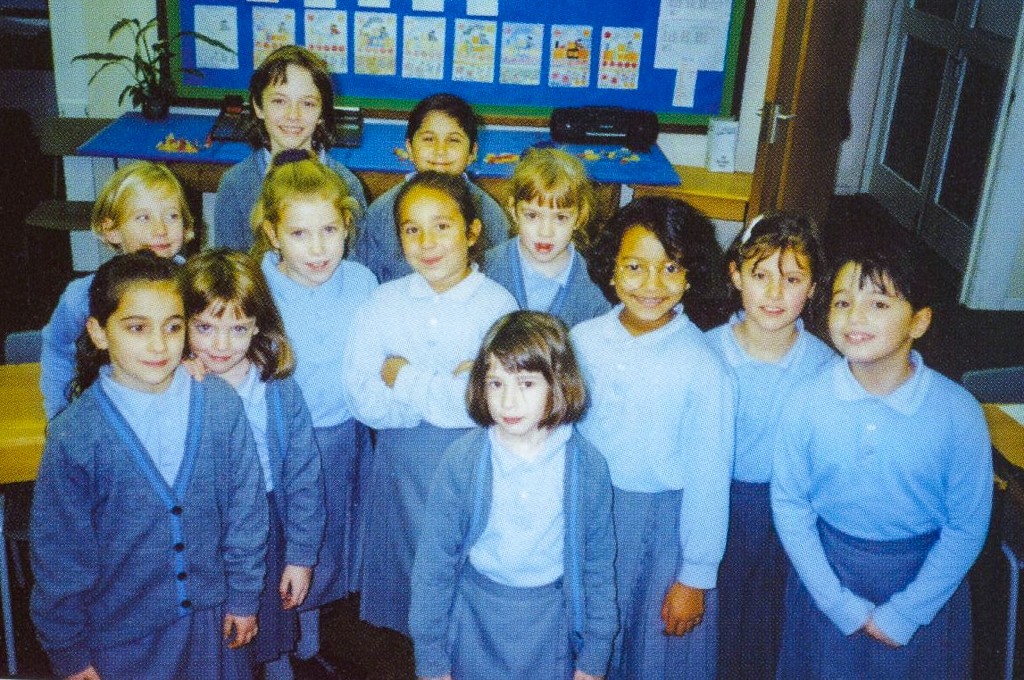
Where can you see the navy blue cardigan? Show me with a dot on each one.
(117, 553)
(456, 516)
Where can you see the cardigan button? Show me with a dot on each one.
(178, 547)
(176, 510)
(182, 575)
(186, 603)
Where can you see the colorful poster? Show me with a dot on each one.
(271, 28)
(522, 48)
(219, 23)
(376, 43)
(570, 56)
(619, 68)
(423, 47)
(327, 35)
(473, 58)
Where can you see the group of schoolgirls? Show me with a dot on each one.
(634, 498)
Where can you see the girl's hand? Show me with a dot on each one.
(874, 631)
(464, 367)
(683, 609)
(239, 630)
(389, 371)
(294, 585)
(580, 675)
(195, 368)
(88, 674)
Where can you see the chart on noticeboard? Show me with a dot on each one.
(506, 57)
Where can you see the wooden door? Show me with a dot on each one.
(806, 111)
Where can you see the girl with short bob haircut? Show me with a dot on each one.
(499, 586)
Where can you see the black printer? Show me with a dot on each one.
(633, 128)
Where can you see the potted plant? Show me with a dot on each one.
(152, 87)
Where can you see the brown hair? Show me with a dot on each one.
(274, 71)
(454, 187)
(297, 174)
(215, 279)
(535, 342)
(113, 280)
(555, 177)
(123, 184)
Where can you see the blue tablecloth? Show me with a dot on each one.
(382, 150)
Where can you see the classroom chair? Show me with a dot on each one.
(1003, 386)
(23, 347)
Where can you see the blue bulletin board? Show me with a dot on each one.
(508, 58)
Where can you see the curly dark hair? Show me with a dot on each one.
(687, 237)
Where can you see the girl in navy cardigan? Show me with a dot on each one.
(150, 515)
(513, 570)
(236, 332)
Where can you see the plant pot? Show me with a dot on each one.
(156, 106)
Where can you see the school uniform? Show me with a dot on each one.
(513, 573)
(318, 322)
(377, 244)
(752, 578)
(416, 420)
(59, 338)
(882, 504)
(240, 188)
(149, 522)
(661, 414)
(290, 462)
(571, 296)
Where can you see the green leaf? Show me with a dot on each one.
(206, 39)
(101, 56)
(120, 24)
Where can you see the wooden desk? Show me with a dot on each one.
(22, 423)
(719, 195)
(22, 438)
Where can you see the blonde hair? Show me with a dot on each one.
(557, 178)
(295, 175)
(123, 184)
(216, 279)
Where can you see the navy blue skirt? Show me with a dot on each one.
(403, 467)
(646, 564)
(500, 632)
(813, 647)
(332, 575)
(278, 628)
(191, 647)
(751, 586)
